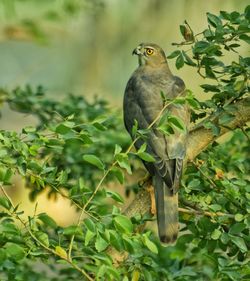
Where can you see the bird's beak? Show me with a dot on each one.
(137, 51)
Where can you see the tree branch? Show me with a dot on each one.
(201, 137)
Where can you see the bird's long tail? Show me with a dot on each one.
(167, 211)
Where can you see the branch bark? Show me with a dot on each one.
(199, 138)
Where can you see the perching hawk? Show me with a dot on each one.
(142, 104)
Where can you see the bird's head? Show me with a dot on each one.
(150, 54)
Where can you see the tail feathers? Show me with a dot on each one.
(167, 212)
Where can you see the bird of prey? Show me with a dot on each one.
(142, 104)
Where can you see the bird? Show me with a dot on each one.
(142, 104)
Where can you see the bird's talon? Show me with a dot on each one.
(144, 180)
(150, 189)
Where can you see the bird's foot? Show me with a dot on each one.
(145, 180)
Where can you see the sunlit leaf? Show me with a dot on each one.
(94, 160)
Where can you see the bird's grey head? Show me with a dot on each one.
(150, 54)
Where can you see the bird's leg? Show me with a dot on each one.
(150, 189)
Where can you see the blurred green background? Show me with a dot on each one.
(84, 46)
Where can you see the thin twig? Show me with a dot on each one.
(206, 213)
(204, 175)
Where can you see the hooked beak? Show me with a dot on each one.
(137, 51)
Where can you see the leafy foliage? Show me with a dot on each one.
(79, 149)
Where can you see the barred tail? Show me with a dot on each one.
(167, 211)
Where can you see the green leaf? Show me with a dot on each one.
(136, 275)
(61, 252)
(209, 72)
(2, 256)
(177, 122)
(149, 244)
(88, 236)
(4, 202)
(29, 129)
(225, 15)
(9, 228)
(194, 184)
(62, 177)
(143, 147)
(245, 38)
(188, 60)
(240, 243)
(42, 237)
(47, 220)
(193, 103)
(90, 224)
(118, 174)
(216, 234)
(239, 85)
(102, 270)
(72, 230)
(182, 29)
(6, 178)
(166, 129)
(94, 160)
(128, 244)
(238, 217)
(214, 20)
(118, 149)
(14, 251)
(122, 159)
(100, 126)
(215, 207)
(179, 63)
(146, 156)
(85, 138)
(200, 47)
(62, 129)
(114, 195)
(210, 88)
(226, 118)
(134, 128)
(215, 129)
(115, 240)
(123, 224)
(247, 12)
(100, 244)
(224, 238)
(237, 228)
(174, 54)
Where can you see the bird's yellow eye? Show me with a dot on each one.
(149, 51)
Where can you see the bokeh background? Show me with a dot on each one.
(84, 47)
